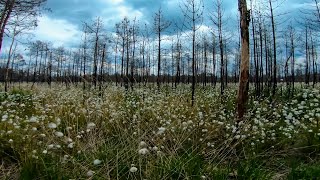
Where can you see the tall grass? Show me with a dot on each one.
(61, 133)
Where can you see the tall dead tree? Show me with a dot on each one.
(274, 87)
(95, 29)
(216, 18)
(307, 71)
(178, 50)
(84, 54)
(134, 32)
(245, 53)
(214, 61)
(193, 10)
(160, 24)
(292, 38)
(205, 47)
(115, 59)
(128, 44)
(314, 63)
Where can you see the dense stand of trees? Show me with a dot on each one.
(172, 51)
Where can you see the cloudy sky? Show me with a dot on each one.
(63, 24)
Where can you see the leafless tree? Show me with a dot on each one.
(193, 11)
(216, 18)
(245, 53)
(160, 25)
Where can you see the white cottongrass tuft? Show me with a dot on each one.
(90, 173)
(97, 162)
(70, 145)
(50, 146)
(161, 130)
(58, 121)
(59, 134)
(33, 119)
(69, 140)
(52, 125)
(142, 144)
(91, 125)
(4, 118)
(143, 151)
(133, 169)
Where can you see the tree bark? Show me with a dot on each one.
(244, 67)
(274, 88)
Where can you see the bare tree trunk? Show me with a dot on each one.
(160, 24)
(307, 74)
(193, 54)
(159, 54)
(95, 55)
(222, 64)
(8, 61)
(101, 79)
(292, 60)
(255, 58)
(122, 61)
(244, 67)
(214, 63)
(226, 64)
(50, 70)
(261, 55)
(84, 57)
(35, 68)
(126, 82)
(132, 78)
(178, 73)
(205, 63)
(314, 65)
(274, 89)
(115, 62)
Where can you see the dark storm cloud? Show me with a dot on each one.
(112, 11)
(76, 11)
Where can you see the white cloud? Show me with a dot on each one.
(115, 1)
(57, 31)
(126, 11)
(204, 29)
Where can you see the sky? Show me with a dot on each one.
(63, 24)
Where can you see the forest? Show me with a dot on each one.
(211, 91)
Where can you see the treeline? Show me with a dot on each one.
(19, 75)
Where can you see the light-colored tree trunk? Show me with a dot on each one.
(244, 66)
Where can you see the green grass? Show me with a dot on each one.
(280, 136)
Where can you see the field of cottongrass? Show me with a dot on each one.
(68, 133)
